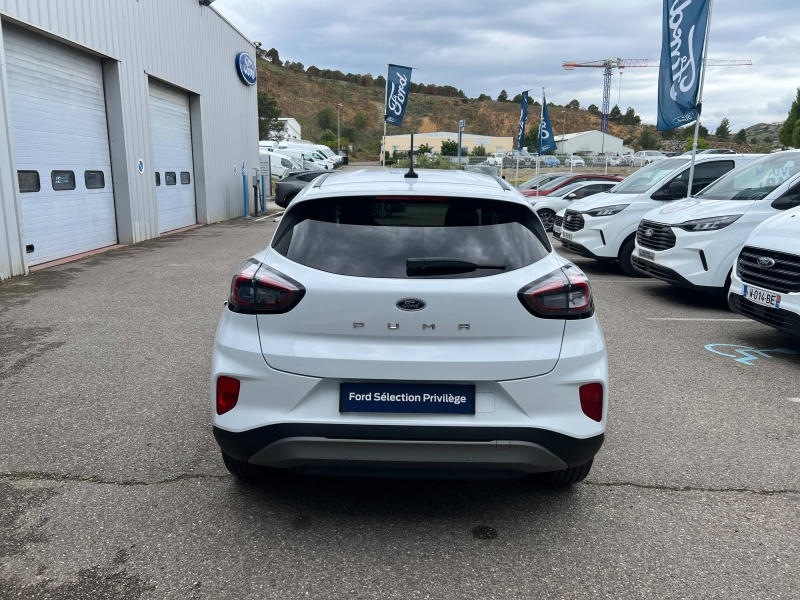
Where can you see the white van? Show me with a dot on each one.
(328, 153)
(309, 148)
(277, 163)
(604, 226)
(306, 158)
(693, 244)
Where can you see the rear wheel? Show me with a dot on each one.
(625, 259)
(568, 476)
(548, 217)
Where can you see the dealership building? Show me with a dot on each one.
(121, 121)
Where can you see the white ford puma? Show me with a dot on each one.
(410, 325)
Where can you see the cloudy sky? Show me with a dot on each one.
(483, 47)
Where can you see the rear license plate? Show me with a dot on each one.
(567, 235)
(646, 254)
(762, 297)
(407, 398)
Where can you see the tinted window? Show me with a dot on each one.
(28, 181)
(94, 180)
(186, 178)
(63, 180)
(541, 181)
(170, 178)
(286, 163)
(158, 179)
(756, 179)
(374, 237)
(706, 173)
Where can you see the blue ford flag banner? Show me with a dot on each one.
(397, 84)
(547, 141)
(682, 47)
(523, 116)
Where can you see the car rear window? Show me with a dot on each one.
(376, 236)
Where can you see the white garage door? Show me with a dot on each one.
(172, 151)
(58, 117)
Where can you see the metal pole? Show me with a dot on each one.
(539, 142)
(699, 102)
(338, 140)
(263, 203)
(606, 171)
(244, 190)
(269, 175)
(385, 98)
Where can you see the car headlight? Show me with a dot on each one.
(710, 224)
(606, 211)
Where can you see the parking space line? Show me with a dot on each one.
(697, 319)
(794, 400)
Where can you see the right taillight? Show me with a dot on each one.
(562, 294)
(227, 394)
(258, 289)
(591, 396)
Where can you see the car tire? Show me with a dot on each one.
(625, 259)
(548, 217)
(246, 471)
(568, 476)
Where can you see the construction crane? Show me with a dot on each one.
(622, 63)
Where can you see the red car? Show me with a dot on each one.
(550, 183)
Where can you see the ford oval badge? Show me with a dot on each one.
(766, 261)
(410, 304)
(246, 67)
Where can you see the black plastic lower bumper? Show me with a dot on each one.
(778, 318)
(243, 445)
(583, 251)
(670, 276)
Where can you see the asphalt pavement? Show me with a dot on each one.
(111, 484)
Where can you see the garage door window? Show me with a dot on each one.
(63, 180)
(158, 179)
(28, 181)
(186, 178)
(94, 180)
(170, 178)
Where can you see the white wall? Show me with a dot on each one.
(593, 142)
(177, 41)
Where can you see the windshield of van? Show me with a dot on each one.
(755, 180)
(646, 177)
(376, 236)
(541, 181)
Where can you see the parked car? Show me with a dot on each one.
(291, 185)
(693, 244)
(645, 157)
(278, 164)
(495, 159)
(515, 156)
(765, 282)
(604, 226)
(575, 161)
(601, 160)
(483, 169)
(711, 151)
(558, 223)
(626, 160)
(547, 206)
(549, 161)
(306, 159)
(546, 187)
(492, 362)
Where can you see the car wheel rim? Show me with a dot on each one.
(547, 219)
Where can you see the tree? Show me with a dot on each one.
(484, 97)
(767, 140)
(517, 98)
(503, 96)
(449, 148)
(789, 133)
(424, 149)
(348, 131)
(648, 139)
(723, 132)
(327, 136)
(615, 113)
(366, 81)
(272, 56)
(326, 118)
(754, 140)
(741, 137)
(380, 81)
(268, 115)
(593, 109)
(669, 134)
(574, 104)
(630, 117)
(702, 131)
(701, 143)
(313, 71)
(478, 150)
(360, 121)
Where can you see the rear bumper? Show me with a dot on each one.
(310, 445)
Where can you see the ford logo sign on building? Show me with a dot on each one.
(246, 68)
(410, 304)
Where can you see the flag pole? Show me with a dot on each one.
(385, 98)
(539, 142)
(699, 102)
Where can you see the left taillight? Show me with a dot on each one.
(227, 394)
(258, 289)
(562, 294)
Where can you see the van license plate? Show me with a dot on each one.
(762, 297)
(646, 254)
(567, 235)
(557, 229)
(440, 398)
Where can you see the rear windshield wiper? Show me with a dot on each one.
(440, 263)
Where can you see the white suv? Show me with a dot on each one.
(645, 157)
(765, 283)
(693, 244)
(604, 226)
(409, 325)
